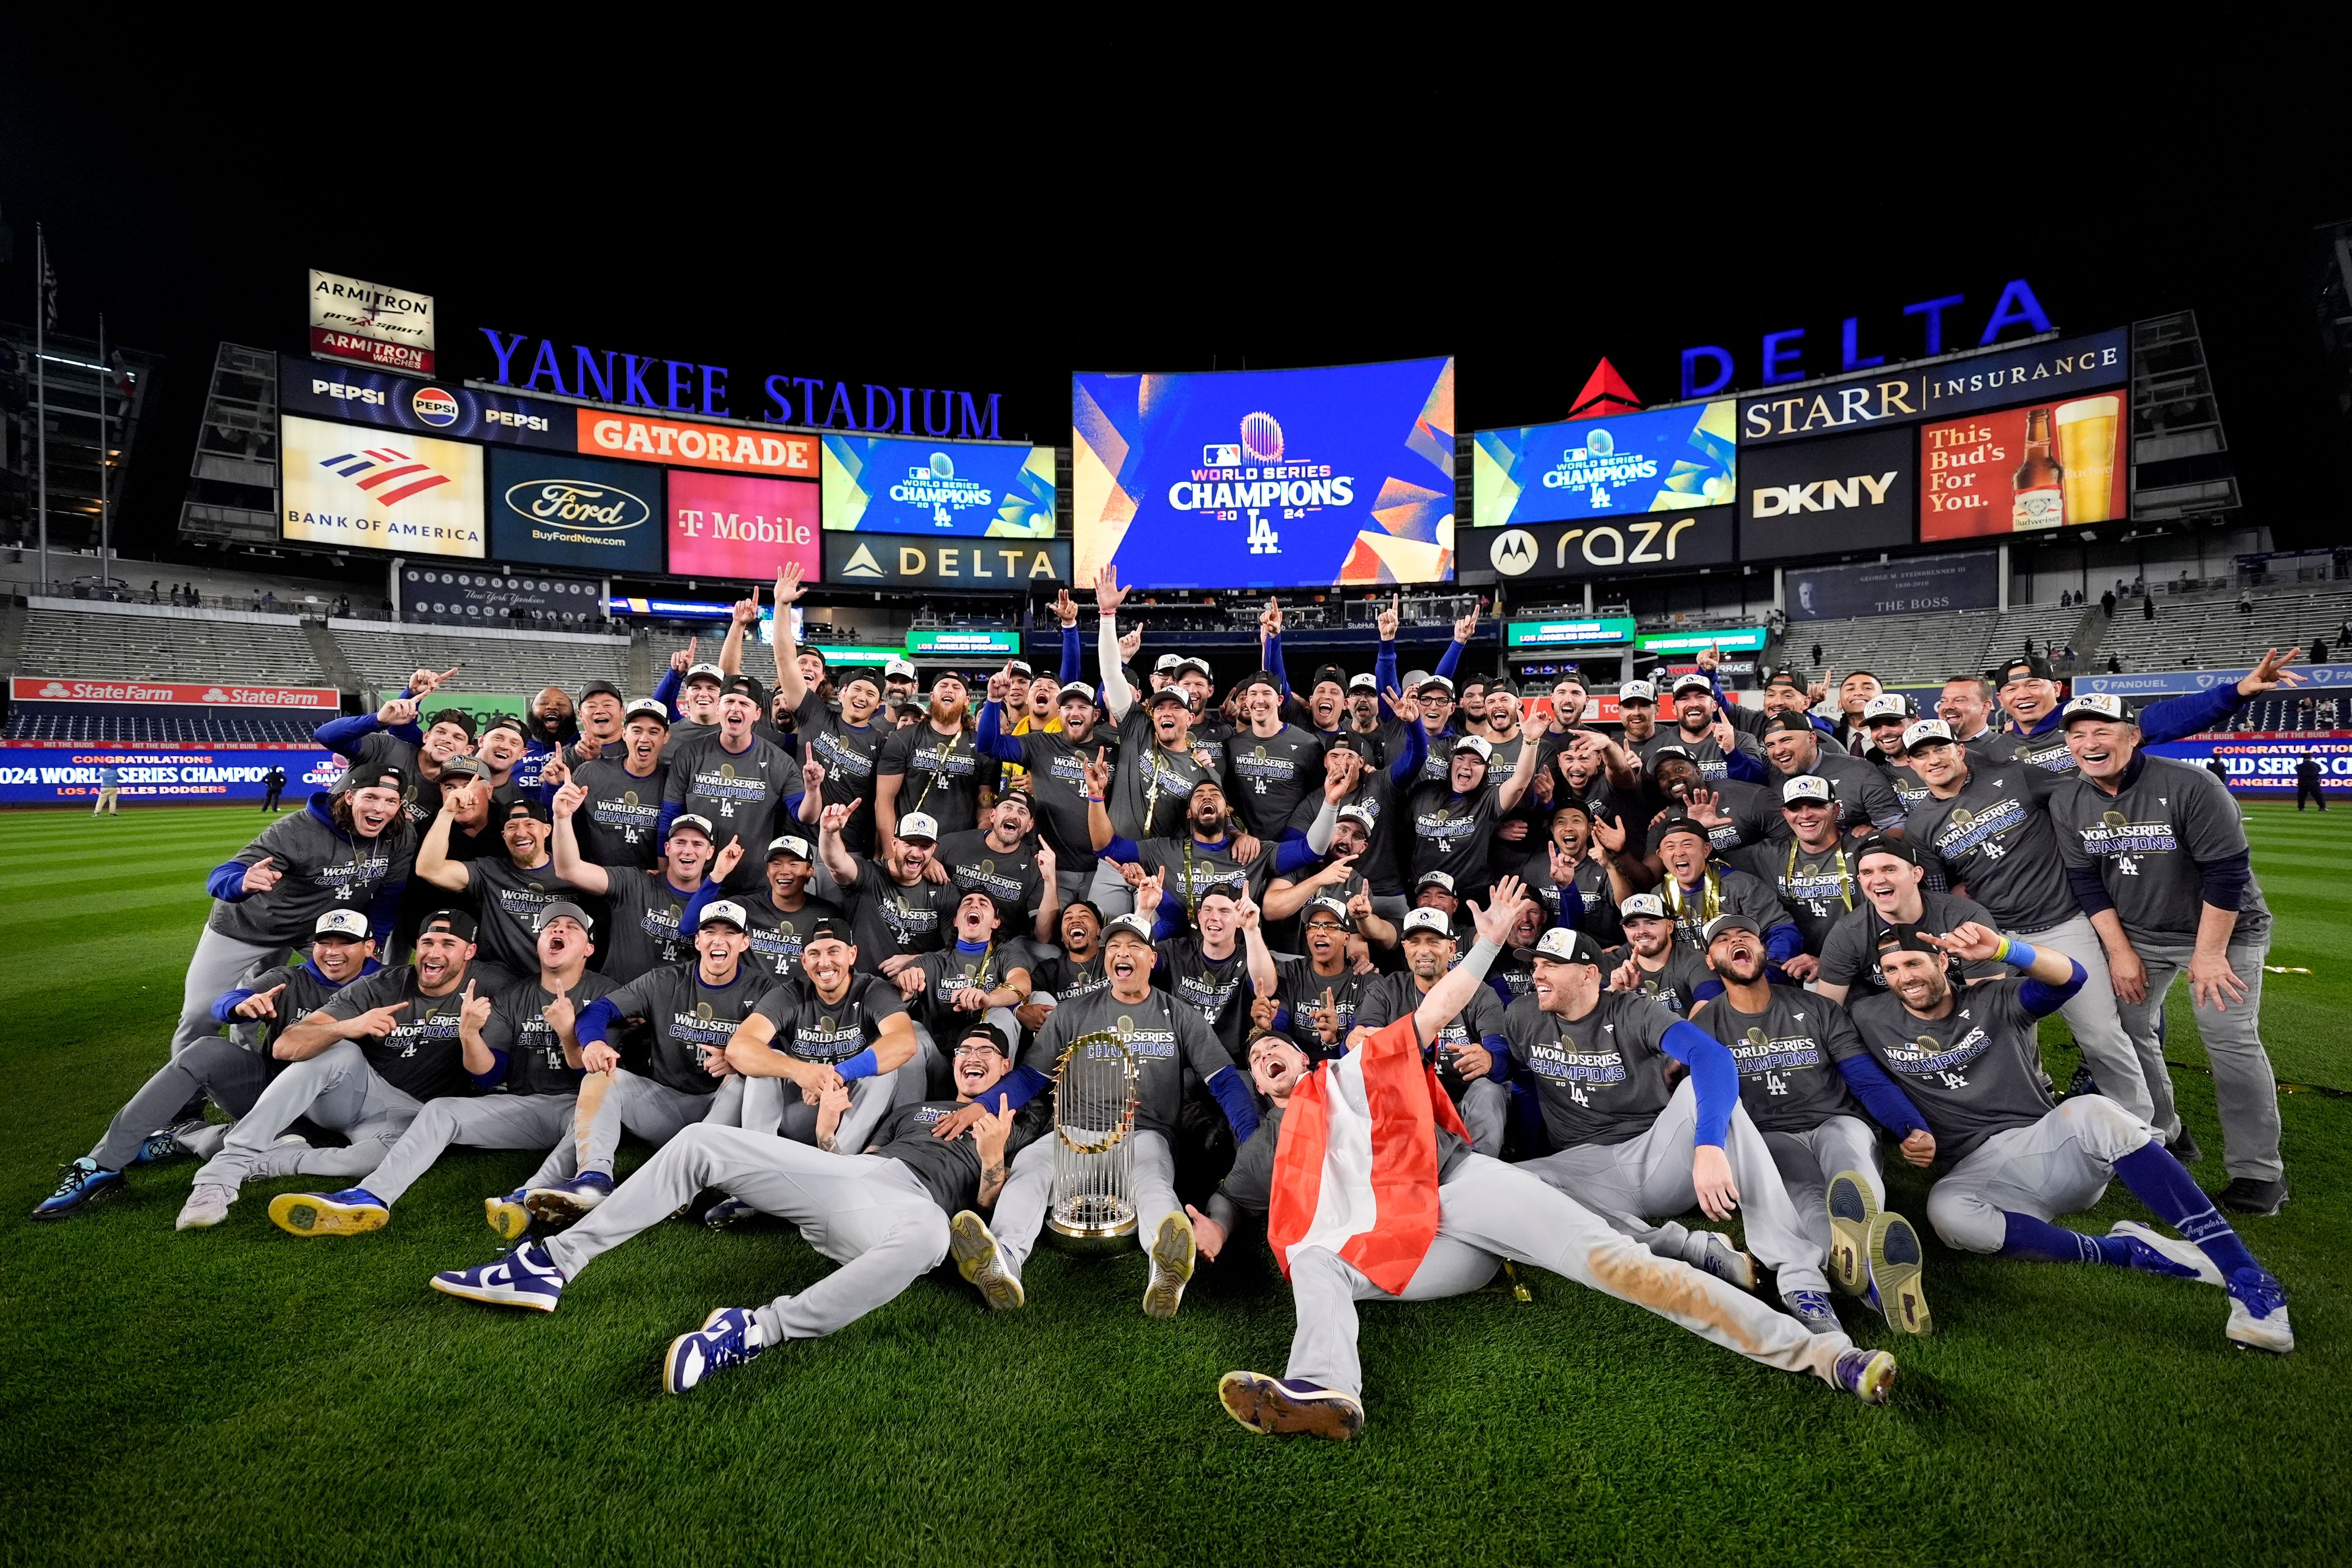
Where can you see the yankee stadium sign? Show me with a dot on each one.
(686, 386)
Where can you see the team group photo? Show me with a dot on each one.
(638, 956)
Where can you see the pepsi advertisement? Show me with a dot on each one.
(562, 509)
(873, 484)
(162, 776)
(1667, 459)
(1266, 479)
(356, 396)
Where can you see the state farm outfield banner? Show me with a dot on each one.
(2266, 764)
(161, 776)
(61, 688)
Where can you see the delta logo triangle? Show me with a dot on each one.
(861, 563)
(1605, 392)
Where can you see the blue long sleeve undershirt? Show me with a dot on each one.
(989, 737)
(592, 1025)
(2042, 999)
(1715, 1077)
(1408, 765)
(1881, 1096)
(666, 692)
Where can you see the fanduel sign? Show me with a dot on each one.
(686, 386)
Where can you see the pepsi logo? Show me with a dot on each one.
(435, 406)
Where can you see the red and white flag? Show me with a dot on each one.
(1356, 1169)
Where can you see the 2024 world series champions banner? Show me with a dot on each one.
(1284, 478)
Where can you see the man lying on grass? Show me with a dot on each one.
(882, 1215)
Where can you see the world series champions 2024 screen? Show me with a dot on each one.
(1266, 479)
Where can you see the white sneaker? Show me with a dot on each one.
(2186, 1254)
(207, 1205)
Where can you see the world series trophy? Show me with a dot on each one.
(1094, 1111)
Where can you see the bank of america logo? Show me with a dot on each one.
(393, 476)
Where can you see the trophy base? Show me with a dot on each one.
(1090, 1240)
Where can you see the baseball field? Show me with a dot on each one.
(239, 1395)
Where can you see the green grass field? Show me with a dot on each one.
(238, 1395)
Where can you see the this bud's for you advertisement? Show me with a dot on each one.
(2058, 464)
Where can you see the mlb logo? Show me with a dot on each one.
(1222, 455)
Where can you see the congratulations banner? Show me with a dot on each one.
(1663, 460)
(38, 775)
(2266, 764)
(876, 485)
(1266, 479)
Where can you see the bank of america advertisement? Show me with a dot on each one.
(364, 487)
(876, 485)
(1662, 460)
(1281, 479)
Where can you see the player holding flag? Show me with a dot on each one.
(1372, 1193)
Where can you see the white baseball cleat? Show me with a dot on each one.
(207, 1205)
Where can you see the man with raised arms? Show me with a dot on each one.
(1444, 1219)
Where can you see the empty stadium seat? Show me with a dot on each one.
(99, 645)
(386, 656)
(2210, 634)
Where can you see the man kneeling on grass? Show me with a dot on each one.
(1393, 1204)
(882, 1215)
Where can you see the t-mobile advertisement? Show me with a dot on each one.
(162, 776)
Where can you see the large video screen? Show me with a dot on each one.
(1273, 478)
(877, 484)
(1667, 460)
(2059, 463)
(359, 486)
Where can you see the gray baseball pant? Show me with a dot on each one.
(215, 1066)
(1488, 1210)
(485, 1121)
(1485, 1108)
(1029, 1193)
(1109, 892)
(2244, 1089)
(218, 963)
(869, 1214)
(1808, 1159)
(775, 1106)
(1627, 1183)
(632, 1102)
(2095, 1017)
(2057, 1166)
(337, 1089)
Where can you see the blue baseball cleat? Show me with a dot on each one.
(85, 1182)
(2153, 1253)
(1812, 1309)
(526, 1277)
(568, 1202)
(2258, 1313)
(1290, 1406)
(724, 1340)
(351, 1212)
(1868, 1376)
(508, 1215)
(159, 1146)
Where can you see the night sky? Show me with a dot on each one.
(1003, 275)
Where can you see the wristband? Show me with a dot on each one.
(2018, 953)
(861, 1065)
(1481, 957)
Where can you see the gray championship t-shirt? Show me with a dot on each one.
(1150, 783)
(1165, 1036)
(1817, 889)
(1787, 1057)
(422, 1056)
(890, 919)
(1268, 776)
(1972, 1073)
(1995, 840)
(850, 753)
(938, 775)
(535, 1061)
(2146, 842)
(947, 1168)
(810, 1029)
(1850, 957)
(1393, 996)
(1601, 1078)
(690, 1020)
(620, 822)
(741, 793)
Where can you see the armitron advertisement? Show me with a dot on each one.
(876, 485)
(356, 488)
(389, 328)
(1666, 459)
(1266, 479)
(722, 526)
(2018, 470)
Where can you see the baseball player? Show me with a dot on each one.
(832, 1027)
(523, 1040)
(1167, 1037)
(1698, 888)
(848, 743)
(693, 1010)
(1654, 964)
(732, 778)
(1811, 870)
(1704, 734)
(1863, 797)
(1222, 966)
(899, 905)
(1353, 839)
(2016, 1160)
(1804, 1080)
(1467, 1047)
(231, 1071)
(782, 915)
(512, 889)
(981, 971)
(650, 910)
(881, 1214)
(1316, 999)
(619, 823)
(1485, 1211)
(1629, 1146)
(1004, 861)
(353, 849)
(1273, 767)
(1895, 892)
(1454, 820)
(935, 767)
(2157, 852)
(363, 1065)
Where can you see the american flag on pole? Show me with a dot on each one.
(48, 285)
(1356, 1169)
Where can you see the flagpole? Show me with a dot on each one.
(105, 575)
(41, 385)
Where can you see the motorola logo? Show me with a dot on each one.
(1512, 553)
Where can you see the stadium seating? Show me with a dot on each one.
(2304, 712)
(385, 657)
(2211, 633)
(191, 645)
(54, 722)
(1906, 650)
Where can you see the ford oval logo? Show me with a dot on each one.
(435, 406)
(579, 504)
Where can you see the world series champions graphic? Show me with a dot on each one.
(1266, 479)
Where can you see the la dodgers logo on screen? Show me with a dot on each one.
(1249, 479)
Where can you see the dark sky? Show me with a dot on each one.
(1005, 278)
